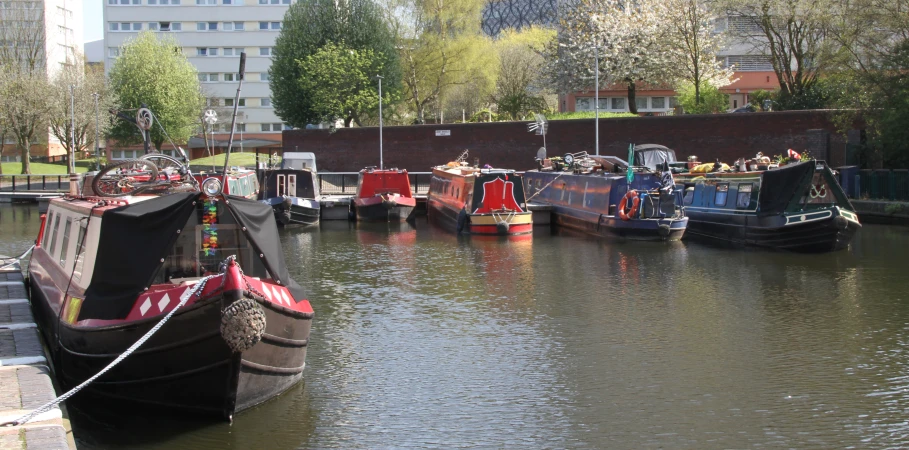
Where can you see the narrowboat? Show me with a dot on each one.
(480, 201)
(799, 207)
(592, 194)
(292, 190)
(384, 195)
(107, 271)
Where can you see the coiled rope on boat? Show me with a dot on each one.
(242, 324)
(197, 288)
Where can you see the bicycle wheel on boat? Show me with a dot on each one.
(173, 174)
(127, 177)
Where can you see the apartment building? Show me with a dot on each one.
(44, 35)
(213, 33)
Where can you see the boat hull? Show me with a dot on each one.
(378, 209)
(587, 203)
(814, 232)
(295, 211)
(186, 365)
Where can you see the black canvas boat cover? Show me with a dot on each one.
(780, 186)
(136, 238)
(653, 155)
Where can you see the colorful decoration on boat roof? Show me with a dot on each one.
(209, 227)
(498, 195)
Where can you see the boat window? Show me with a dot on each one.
(64, 250)
(722, 189)
(80, 250)
(53, 244)
(47, 230)
(744, 196)
(689, 195)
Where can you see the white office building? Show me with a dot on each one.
(213, 33)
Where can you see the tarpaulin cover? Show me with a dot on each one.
(653, 155)
(262, 230)
(134, 239)
(780, 186)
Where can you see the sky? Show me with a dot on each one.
(92, 20)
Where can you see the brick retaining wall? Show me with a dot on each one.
(509, 144)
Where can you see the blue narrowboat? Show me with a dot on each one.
(592, 194)
(799, 207)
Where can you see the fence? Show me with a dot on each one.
(18, 183)
(879, 184)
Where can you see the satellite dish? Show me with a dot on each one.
(210, 116)
(541, 154)
(144, 119)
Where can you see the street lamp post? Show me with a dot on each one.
(97, 143)
(72, 131)
(596, 102)
(380, 121)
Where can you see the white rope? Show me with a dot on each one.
(48, 406)
(18, 258)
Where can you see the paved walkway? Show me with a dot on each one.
(25, 380)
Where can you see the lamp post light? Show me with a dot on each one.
(97, 143)
(380, 121)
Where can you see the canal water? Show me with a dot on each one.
(423, 339)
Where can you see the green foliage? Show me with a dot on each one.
(484, 115)
(519, 86)
(712, 100)
(153, 71)
(813, 96)
(340, 82)
(756, 98)
(308, 26)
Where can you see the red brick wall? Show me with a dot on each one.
(510, 145)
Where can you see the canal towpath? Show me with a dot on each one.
(25, 379)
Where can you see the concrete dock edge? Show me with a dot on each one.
(25, 377)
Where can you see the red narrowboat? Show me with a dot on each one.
(384, 195)
(481, 201)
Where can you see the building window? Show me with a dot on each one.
(658, 102)
(153, 26)
(206, 26)
(618, 103)
(169, 26)
(264, 51)
(264, 76)
(208, 77)
(266, 127)
(640, 102)
(269, 25)
(207, 51)
(266, 103)
(230, 102)
(232, 26)
(228, 76)
(206, 2)
(113, 52)
(241, 128)
(230, 51)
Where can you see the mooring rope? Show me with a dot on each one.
(48, 406)
(18, 258)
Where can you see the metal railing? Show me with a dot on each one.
(330, 183)
(17, 183)
(880, 184)
(345, 183)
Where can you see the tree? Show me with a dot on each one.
(519, 87)
(153, 71)
(24, 103)
(310, 25)
(695, 44)
(630, 41)
(342, 82)
(441, 47)
(705, 100)
(796, 35)
(87, 81)
(26, 109)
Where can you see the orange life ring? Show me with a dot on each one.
(635, 202)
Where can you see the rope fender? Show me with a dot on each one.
(242, 324)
